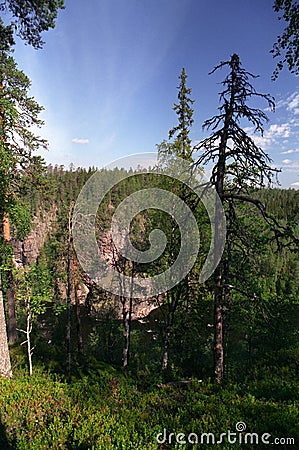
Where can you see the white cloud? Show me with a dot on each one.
(288, 152)
(270, 136)
(291, 168)
(288, 166)
(80, 141)
(293, 103)
(262, 141)
(276, 130)
(295, 184)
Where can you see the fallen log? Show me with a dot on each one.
(181, 383)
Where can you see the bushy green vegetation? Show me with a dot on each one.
(98, 381)
(103, 410)
(98, 407)
(104, 381)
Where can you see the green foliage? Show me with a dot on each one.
(18, 114)
(99, 408)
(263, 312)
(286, 47)
(181, 146)
(106, 411)
(20, 219)
(34, 286)
(32, 18)
(6, 37)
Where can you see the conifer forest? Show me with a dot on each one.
(137, 319)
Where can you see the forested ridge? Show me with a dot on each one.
(206, 360)
(87, 387)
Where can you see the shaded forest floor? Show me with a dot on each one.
(102, 409)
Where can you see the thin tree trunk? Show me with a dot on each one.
(170, 321)
(11, 309)
(5, 365)
(10, 291)
(127, 321)
(126, 334)
(68, 295)
(28, 332)
(165, 357)
(68, 315)
(218, 328)
(78, 320)
(218, 274)
(75, 273)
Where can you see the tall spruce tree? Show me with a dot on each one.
(180, 147)
(184, 111)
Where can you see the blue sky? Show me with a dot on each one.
(108, 73)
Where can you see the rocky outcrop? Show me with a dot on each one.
(26, 252)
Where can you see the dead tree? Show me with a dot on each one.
(239, 165)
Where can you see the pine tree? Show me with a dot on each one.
(18, 113)
(31, 18)
(287, 45)
(5, 365)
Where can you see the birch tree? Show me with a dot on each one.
(34, 293)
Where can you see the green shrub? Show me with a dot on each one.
(102, 410)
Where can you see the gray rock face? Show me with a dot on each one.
(27, 251)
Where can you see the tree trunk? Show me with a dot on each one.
(28, 332)
(75, 273)
(126, 334)
(127, 320)
(78, 319)
(68, 316)
(170, 321)
(218, 328)
(5, 366)
(11, 310)
(10, 291)
(218, 274)
(68, 294)
(165, 357)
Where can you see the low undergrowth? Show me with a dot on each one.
(107, 411)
